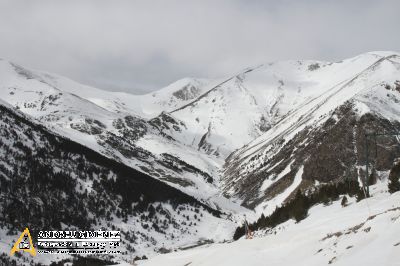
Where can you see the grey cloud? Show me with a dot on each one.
(144, 45)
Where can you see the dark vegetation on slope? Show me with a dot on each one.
(298, 207)
(329, 153)
(47, 180)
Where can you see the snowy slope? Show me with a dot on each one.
(363, 233)
(203, 121)
(149, 105)
(66, 186)
(108, 122)
(338, 116)
(354, 80)
(290, 125)
(250, 103)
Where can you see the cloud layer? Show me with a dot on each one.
(144, 45)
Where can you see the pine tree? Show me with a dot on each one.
(394, 183)
(238, 233)
(372, 177)
(344, 201)
(300, 207)
(325, 199)
(361, 194)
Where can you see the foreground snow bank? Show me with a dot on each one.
(363, 233)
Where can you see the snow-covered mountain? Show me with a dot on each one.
(245, 106)
(322, 139)
(183, 133)
(251, 139)
(49, 182)
(109, 123)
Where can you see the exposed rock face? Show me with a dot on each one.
(188, 92)
(313, 67)
(167, 125)
(89, 126)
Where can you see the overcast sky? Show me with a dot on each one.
(145, 45)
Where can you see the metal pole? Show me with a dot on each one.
(366, 165)
(366, 185)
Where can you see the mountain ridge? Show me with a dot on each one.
(257, 99)
(304, 123)
(243, 144)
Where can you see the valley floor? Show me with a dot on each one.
(363, 233)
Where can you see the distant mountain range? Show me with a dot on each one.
(211, 149)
